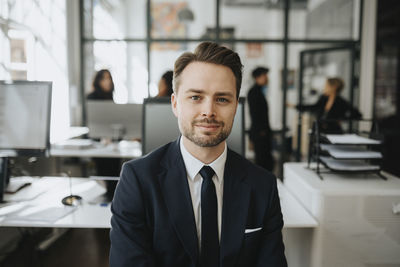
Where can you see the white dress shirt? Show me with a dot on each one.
(193, 166)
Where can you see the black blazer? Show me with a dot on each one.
(341, 109)
(153, 222)
(259, 113)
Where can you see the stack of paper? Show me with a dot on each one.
(351, 139)
(75, 144)
(350, 152)
(348, 165)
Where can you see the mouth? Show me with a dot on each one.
(208, 127)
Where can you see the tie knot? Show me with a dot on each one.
(207, 172)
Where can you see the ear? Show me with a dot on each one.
(174, 99)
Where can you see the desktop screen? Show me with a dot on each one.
(160, 126)
(3, 176)
(25, 115)
(108, 119)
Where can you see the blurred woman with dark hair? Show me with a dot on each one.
(102, 87)
(332, 107)
(165, 84)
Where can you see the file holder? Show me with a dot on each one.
(344, 153)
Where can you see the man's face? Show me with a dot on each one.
(262, 79)
(105, 82)
(205, 103)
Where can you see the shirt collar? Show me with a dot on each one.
(193, 165)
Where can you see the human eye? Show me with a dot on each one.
(222, 100)
(195, 97)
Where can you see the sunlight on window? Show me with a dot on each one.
(39, 53)
(112, 56)
(104, 22)
(153, 89)
(139, 80)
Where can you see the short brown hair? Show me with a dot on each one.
(210, 52)
(337, 83)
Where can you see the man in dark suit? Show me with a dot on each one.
(194, 202)
(260, 130)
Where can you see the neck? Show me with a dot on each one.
(204, 154)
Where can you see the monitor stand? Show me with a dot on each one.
(108, 196)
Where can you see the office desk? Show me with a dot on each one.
(298, 222)
(47, 192)
(297, 230)
(358, 222)
(124, 149)
(50, 191)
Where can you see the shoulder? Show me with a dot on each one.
(322, 98)
(341, 100)
(253, 91)
(91, 96)
(254, 174)
(150, 163)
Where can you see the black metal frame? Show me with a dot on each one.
(285, 41)
(314, 151)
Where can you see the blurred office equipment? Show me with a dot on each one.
(118, 121)
(344, 153)
(160, 126)
(315, 65)
(24, 122)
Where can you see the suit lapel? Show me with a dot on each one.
(236, 198)
(177, 197)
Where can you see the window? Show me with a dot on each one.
(140, 46)
(33, 47)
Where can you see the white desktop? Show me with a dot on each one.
(359, 224)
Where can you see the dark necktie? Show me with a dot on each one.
(209, 222)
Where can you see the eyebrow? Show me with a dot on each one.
(200, 91)
(197, 91)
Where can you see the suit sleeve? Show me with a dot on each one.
(353, 112)
(320, 104)
(130, 235)
(272, 251)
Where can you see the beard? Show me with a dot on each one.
(209, 139)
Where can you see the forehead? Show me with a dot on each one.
(207, 76)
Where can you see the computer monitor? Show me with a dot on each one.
(107, 119)
(25, 108)
(160, 125)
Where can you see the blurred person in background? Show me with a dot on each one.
(331, 107)
(103, 89)
(165, 85)
(260, 130)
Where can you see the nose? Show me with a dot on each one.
(208, 109)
